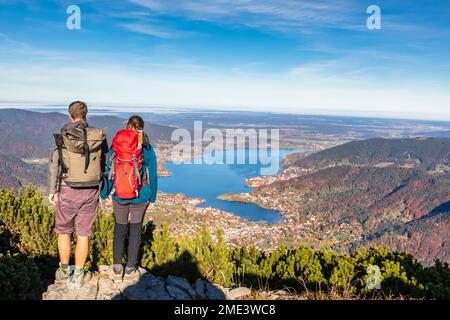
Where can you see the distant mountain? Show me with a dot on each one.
(28, 134)
(391, 192)
(373, 197)
(425, 153)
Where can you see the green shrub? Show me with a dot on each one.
(101, 242)
(163, 250)
(342, 276)
(19, 278)
(189, 258)
(28, 217)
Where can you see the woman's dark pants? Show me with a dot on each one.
(124, 213)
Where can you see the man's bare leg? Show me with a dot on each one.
(81, 252)
(64, 245)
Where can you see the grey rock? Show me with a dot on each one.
(238, 293)
(148, 281)
(177, 293)
(281, 293)
(108, 290)
(216, 292)
(200, 289)
(208, 291)
(148, 288)
(183, 284)
(135, 293)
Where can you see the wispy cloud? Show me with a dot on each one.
(151, 30)
(299, 16)
(292, 16)
(16, 47)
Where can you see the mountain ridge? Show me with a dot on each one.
(398, 190)
(28, 134)
(426, 153)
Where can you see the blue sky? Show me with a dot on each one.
(272, 55)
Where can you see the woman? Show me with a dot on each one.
(131, 171)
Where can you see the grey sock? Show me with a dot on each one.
(129, 270)
(117, 268)
(64, 266)
(78, 271)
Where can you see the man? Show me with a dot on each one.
(76, 166)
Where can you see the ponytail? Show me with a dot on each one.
(141, 136)
(137, 123)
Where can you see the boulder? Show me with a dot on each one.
(281, 293)
(147, 287)
(108, 290)
(182, 284)
(200, 289)
(59, 291)
(216, 292)
(239, 293)
(177, 293)
(206, 290)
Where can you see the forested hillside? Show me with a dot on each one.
(28, 134)
(388, 191)
(425, 153)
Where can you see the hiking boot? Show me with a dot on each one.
(78, 279)
(117, 273)
(131, 274)
(62, 273)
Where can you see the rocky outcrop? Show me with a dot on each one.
(146, 287)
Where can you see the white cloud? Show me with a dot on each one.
(117, 86)
(150, 30)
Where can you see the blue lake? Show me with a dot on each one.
(207, 181)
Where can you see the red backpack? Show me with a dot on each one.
(127, 164)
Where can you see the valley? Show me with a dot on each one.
(349, 189)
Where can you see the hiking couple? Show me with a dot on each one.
(81, 171)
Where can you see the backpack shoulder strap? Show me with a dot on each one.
(112, 165)
(86, 151)
(136, 171)
(59, 142)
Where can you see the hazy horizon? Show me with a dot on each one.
(179, 109)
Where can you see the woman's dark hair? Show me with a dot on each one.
(137, 123)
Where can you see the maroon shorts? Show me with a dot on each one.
(76, 207)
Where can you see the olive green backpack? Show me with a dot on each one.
(80, 153)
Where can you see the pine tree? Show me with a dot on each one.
(164, 247)
(101, 242)
(28, 216)
(223, 268)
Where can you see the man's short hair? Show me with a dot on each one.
(78, 110)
